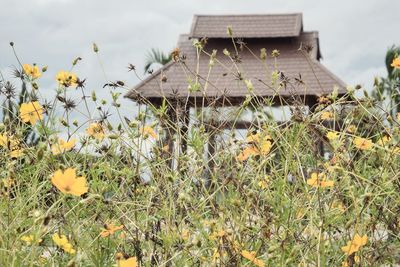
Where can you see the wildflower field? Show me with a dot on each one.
(320, 189)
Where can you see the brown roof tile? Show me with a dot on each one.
(292, 62)
(247, 26)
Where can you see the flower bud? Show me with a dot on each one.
(229, 31)
(95, 48)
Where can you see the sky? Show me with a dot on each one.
(354, 35)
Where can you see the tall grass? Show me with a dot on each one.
(287, 194)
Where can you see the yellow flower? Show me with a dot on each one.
(355, 244)
(396, 150)
(148, 131)
(326, 115)
(185, 234)
(96, 130)
(319, 180)
(7, 182)
(66, 78)
(30, 239)
(62, 146)
(363, 143)
(68, 183)
(131, 262)
(217, 234)
(255, 138)
(11, 144)
(31, 112)
(384, 140)
(62, 242)
(17, 153)
(110, 229)
(352, 128)
(262, 184)
(246, 153)
(259, 145)
(251, 256)
(265, 146)
(32, 71)
(396, 63)
(338, 205)
(332, 135)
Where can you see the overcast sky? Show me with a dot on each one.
(354, 35)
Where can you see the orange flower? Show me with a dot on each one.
(148, 131)
(259, 145)
(246, 153)
(251, 256)
(319, 180)
(355, 244)
(396, 63)
(62, 146)
(31, 112)
(68, 183)
(363, 143)
(131, 262)
(110, 229)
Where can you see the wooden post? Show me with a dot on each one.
(185, 120)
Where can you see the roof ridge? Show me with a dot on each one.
(248, 15)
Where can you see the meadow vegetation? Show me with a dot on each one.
(97, 192)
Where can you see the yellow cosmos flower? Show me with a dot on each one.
(30, 239)
(62, 146)
(17, 153)
(62, 242)
(148, 131)
(251, 256)
(246, 153)
(130, 262)
(96, 130)
(262, 184)
(319, 180)
(185, 234)
(363, 143)
(217, 234)
(12, 145)
(32, 71)
(68, 183)
(31, 112)
(66, 78)
(396, 63)
(326, 115)
(110, 229)
(332, 136)
(7, 182)
(352, 128)
(355, 244)
(384, 140)
(259, 145)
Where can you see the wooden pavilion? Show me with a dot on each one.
(299, 56)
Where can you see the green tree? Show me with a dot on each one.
(389, 86)
(156, 56)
